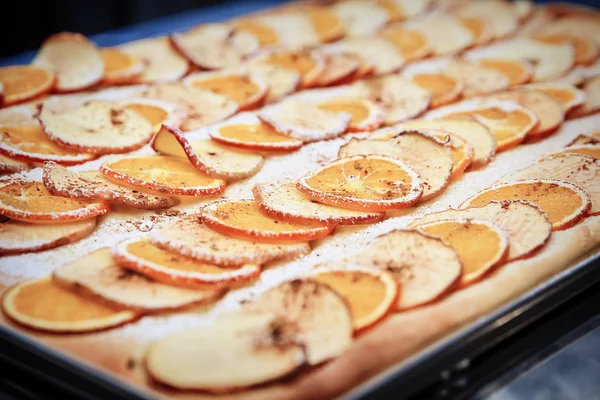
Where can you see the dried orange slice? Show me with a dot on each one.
(360, 17)
(462, 152)
(400, 98)
(305, 120)
(9, 165)
(91, 185)
(75, 60)
(569, 96)
(477, 80)
(244, 219)
(288, 203)
(147, 259)
(516, 71)
(31, 144)
(310, 64)
(500, 15)
(20, 83)
(430, 158)
(366, 114)
(156, 112)
(581, 170)
(591, 105)
(326, 24)
(164, 174)
(585, 48)
(490, 252)
(412, 44)
(266, 35)
(120, 68)
(96, 127)
(340, 67)
(247, 90)
(378, 56)
(280, 81)
(98, 276)
(591, 150)
(424, 266)
(367, 183)
(206, 155)
(188, 237)
(445, 33)
(508, 121)
(565, 203)
(18, 237)
(371, 294)
(399, 10)
(527, 226)
(30, 201)
(443, 89)
(478, 27)
(549, 111)
(162, 62)
(476, 134)
(202, 107)
(246, 131)
(43, 305)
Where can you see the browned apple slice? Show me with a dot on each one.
(75, 60)
(591, 105)
(97, 275)
(426, 267)
(189, 237)
(321, 317)
(91, 185)
(20, 237)
(162, 62)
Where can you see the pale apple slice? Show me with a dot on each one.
(550, 61)
(76, 61)
(585, 48)
(477, 134)
(366, 114)
(424, 266)
(202, 107)
(400, 97)
(157, 112)
(501, 15)
(120, 68)
(477, 80)
(360, 17)
(96, 127)
(20, 237)
(206, 155)
(569, 96)
(378, 52)
(430, 158)
(399, 10)
(280, 81)
(98, 276)
(233, 353)
(366, 67)
(591, 105)
(92, 185)
(527, 226)
(162, 62)
(214, 46)
(9, 165)
(189, 237)
(305, 120)
(583, 171)
(339, 67)
(288, 203)
(321, 317)
(310, 64)
(445, 34)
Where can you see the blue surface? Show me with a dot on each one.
(162, 26)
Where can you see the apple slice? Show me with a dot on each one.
(339, 67)
(501, 15)
(411, 44)
(30, 201)
(243, 219)
(366, 114)
(424, 266)
(201, 106)
(565, 203)
(76, 61)
(31, 144)
(43, 305)
(400, 97)
(477, 80)
(121, 68)
(428, 157)
(445, 34)
(585, 24)
(266, 35)
(284, 29)
(188, 237)
(19, 83)
(97, 276)
(19, 237)
(527, 226)
(96, 127)
(360, 17)
(206, 155)
(516, 71)
(585, 48)
(320, 316)
(288, 203)
(567, 95)
(305, 120)
(233, 353)
(280, 81)
(381, 56)
(147, 259)
(399, 10)
(309, 64)
(91, 185)
(591, 105)
(365, 183)
(580, 170)
(247, 90)
(157, 112)
(214, 46)
(10, 165)
(162, 62)
(475, 133)
(482, 31)
(443, 89)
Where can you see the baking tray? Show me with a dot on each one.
(436, 362)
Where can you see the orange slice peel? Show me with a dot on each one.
(21, 83)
